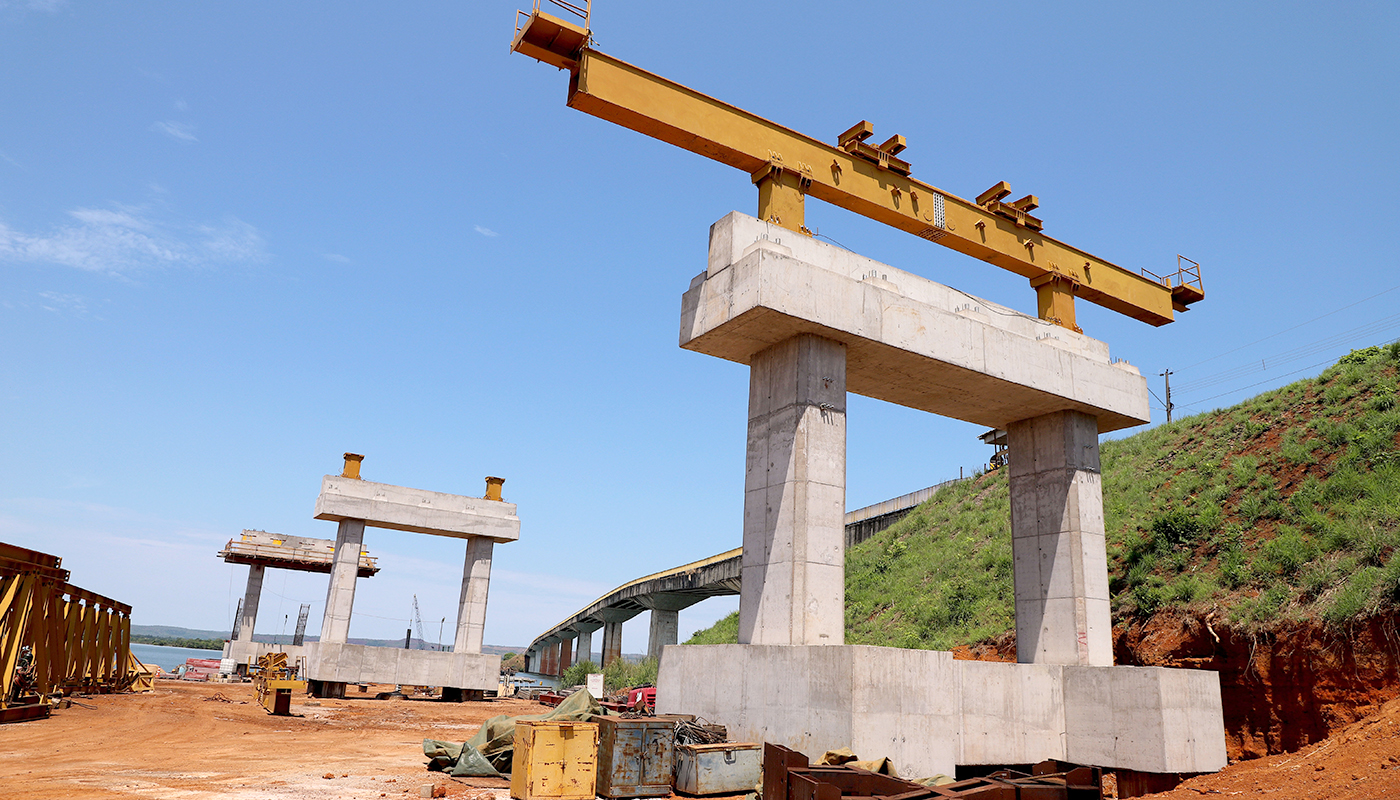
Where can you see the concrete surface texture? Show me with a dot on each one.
(793, 589)
(245, 652)
(399, 508)
(929, 713)
(1057, 541)
(476, 584)
(340, 591)
(909, 340)
(355, 663)
(248, 619)
(355, 503)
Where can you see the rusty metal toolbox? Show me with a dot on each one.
(554, 760)
(636, 757)
(724, 768)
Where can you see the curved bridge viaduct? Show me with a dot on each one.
(666, 593)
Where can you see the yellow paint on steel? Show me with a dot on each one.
(352, 466)
(554, 760)
(618, 92)
(493, 488)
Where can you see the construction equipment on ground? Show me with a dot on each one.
(275, 682)
(787, 775)
(871, 180)
(56, 638)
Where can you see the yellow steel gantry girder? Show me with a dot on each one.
(81, 643)
(872, 181)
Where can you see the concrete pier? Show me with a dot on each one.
(249, 618)
(813, 321)
(664, 630)
(585, 641)
(356, 503)
(476, 583)
(1057, 542)
(261, 550)
(340, 594)
(794, 587)
(566, 653)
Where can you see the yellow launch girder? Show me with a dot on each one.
(872, 181)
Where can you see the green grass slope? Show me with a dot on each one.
(1284, 507)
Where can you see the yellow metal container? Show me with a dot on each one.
(554, 760)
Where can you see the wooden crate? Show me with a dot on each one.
(554, 760)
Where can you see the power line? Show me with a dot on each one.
(1266, 380)
(1368, 330)
(1295, 327)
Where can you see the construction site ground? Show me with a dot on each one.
(191, 741)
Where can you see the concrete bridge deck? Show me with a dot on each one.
(666, 593)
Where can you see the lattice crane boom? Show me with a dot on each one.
(871, 180)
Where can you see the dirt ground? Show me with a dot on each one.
(190, 741)
(1360, 761)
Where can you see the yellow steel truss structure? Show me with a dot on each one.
(871, 180)
(55, 637)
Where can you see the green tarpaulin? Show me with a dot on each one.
(494, 744)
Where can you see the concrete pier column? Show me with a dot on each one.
(793, 589)
(340, 597)
(1057, 541)
(584, 652)
(251, 596)
(665, 629)
(548, 656)
(471, 609)
(612, 631)
(612, 642)
(665, 619)
(566, 651)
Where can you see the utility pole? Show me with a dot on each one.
(1168, 376)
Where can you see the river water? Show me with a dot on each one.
(168, 658)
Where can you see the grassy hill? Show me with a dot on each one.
(1283, 508)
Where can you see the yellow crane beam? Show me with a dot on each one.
(873, 181)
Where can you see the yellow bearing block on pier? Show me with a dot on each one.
(554, 760)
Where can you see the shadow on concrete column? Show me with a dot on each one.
(251, 596)
(476, 583)
(1057, 541)
(584, 652)
(793, 590)
(340, 596)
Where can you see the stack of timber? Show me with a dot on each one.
(56, 638)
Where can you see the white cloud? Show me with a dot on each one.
(175, 130)
(336, 257)
(49, 6)
(484, 231)
(124, 240)
(13, 162)
(58, 302)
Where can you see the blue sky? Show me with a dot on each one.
(237, 240)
